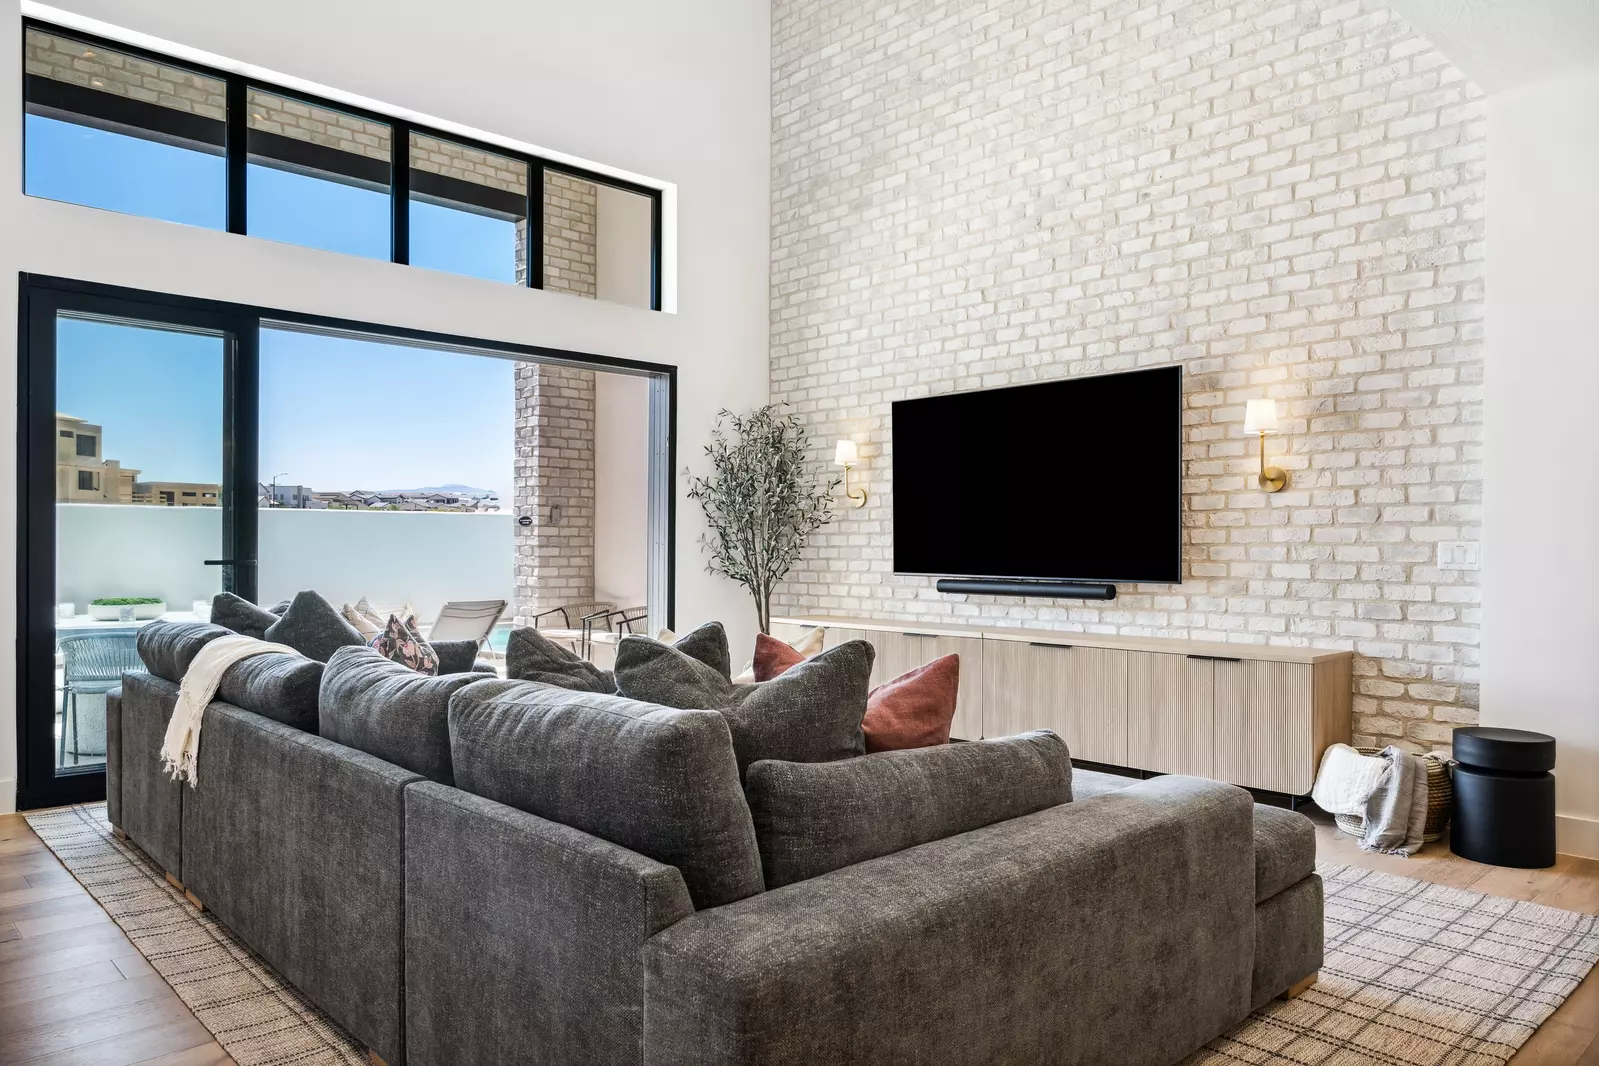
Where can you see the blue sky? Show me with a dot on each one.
(336, 413)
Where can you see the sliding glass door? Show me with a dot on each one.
(171, 449)
(129, 481)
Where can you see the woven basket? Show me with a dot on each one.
(1440, 797)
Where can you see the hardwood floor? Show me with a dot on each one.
(74, 992)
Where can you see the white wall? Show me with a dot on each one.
(621, 488)
(391, 557)
(677, 91)
(1541, 548)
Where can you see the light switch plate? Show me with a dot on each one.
(1459, 555)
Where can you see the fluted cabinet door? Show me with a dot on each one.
(1263, 725)
(1080, 693)
(1171, 703)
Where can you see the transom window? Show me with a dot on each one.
(126, 130)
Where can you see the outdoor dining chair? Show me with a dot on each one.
(92, 665)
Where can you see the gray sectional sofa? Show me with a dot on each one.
(462, 870)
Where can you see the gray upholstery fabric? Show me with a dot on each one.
(297, 845)
(281, 687)
(1117, 929)
(152, 803)
(1086, 784)
(455, 656)
(811, 713)
(524, 938)
(167, 648)
(1285, 850)
(375, 705)
(707, 643)
(814, 817)
(240, 615)
(531, 656)
(113, 756)
(313, 627)
(1289, 939)
(660, 782)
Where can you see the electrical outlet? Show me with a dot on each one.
(1459, 555)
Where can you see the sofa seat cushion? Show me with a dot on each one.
(313, 627)
(661, 782)
(168, 648)
(812, 713)
(283, 688)
(812, 818)
(1285, 850)
(375, 705)
(1087, 784)
(240, 615)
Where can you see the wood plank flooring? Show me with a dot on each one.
(73, 991)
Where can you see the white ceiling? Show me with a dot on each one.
(1503, 44)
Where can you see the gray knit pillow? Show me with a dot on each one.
(811, 713)
(313, 627)
(240, 615)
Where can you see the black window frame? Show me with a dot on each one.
(87, 476)
(94, 445)
(233, 135)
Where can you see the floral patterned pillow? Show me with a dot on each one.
(403, 644)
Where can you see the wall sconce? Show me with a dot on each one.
(1260, 416)
(847, 455)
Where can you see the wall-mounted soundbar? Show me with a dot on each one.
(1068, 590)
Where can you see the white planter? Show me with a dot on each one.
(102, 612)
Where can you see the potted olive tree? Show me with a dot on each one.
(761, 502)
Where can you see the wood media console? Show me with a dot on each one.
(1255, 715)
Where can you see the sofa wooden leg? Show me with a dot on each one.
(174, 882)
(374, 1058)
(192, 898)
(118, 833)
(1298, 988)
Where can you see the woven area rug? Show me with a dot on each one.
(1416, 974)
(253, 1013)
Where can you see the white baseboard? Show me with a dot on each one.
(8, 795)
(1577, 836)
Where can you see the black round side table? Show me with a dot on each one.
(1504, 797)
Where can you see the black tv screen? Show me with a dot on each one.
(1077, 479)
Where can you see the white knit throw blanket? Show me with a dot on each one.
(180, 749)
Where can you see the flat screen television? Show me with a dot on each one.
(1077, 479)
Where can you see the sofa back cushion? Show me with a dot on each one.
(812, 713)
(455, 656)
(313, 627)
(280, 687)
(234, 612)
(168, 648)
(811, 818)
(531, 656)
(661, 782)
(377, 706)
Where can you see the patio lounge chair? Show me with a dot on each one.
(467, 620)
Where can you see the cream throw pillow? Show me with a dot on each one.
(807, 645)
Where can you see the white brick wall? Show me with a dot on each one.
(1285, 197)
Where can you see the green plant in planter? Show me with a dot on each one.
(761, 503)
(126, 601)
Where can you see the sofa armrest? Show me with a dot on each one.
(523, 937)
(1116, 929)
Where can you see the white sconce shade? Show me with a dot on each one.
(846, 453)
(1260, 416)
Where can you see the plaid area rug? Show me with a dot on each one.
(1416, 974)
(253, 1013)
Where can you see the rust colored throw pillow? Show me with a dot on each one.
(916, 709)
(773, 656)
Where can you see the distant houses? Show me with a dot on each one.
(303, 498)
